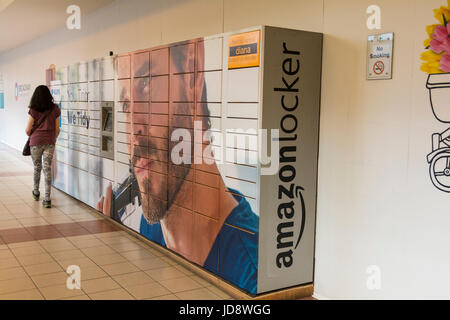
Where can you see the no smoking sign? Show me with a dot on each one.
(378, 67)
(379, 56)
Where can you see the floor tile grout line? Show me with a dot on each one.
(29, 276)
(114, 279)
(62, 266)
(185, 275)
(141, 270)
(57, 262)
(50, 225)
(110, 245)
(93, 263)
(99, 278)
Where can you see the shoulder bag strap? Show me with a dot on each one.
(41, 121)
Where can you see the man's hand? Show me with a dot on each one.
(104, 204)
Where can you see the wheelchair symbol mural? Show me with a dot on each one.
(437, 65)
(439, 158)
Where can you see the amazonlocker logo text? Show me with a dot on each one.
(289, 194)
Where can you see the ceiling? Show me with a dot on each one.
(25, 20)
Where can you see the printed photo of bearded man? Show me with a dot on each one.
(185, 207)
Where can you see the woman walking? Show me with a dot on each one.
(44, 114)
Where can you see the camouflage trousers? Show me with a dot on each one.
(39, 154)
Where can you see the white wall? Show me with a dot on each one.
(376, 204)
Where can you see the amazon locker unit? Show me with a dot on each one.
(208, 147)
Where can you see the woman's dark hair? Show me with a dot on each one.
(42, 99)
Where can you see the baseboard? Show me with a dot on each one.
(292, 293)
(12, 147)
(318, 296)
(17, 153)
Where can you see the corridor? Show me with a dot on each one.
(37, 246)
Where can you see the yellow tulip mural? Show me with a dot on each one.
(437, 57)
(436, 63)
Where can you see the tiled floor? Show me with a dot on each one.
(37, 246)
